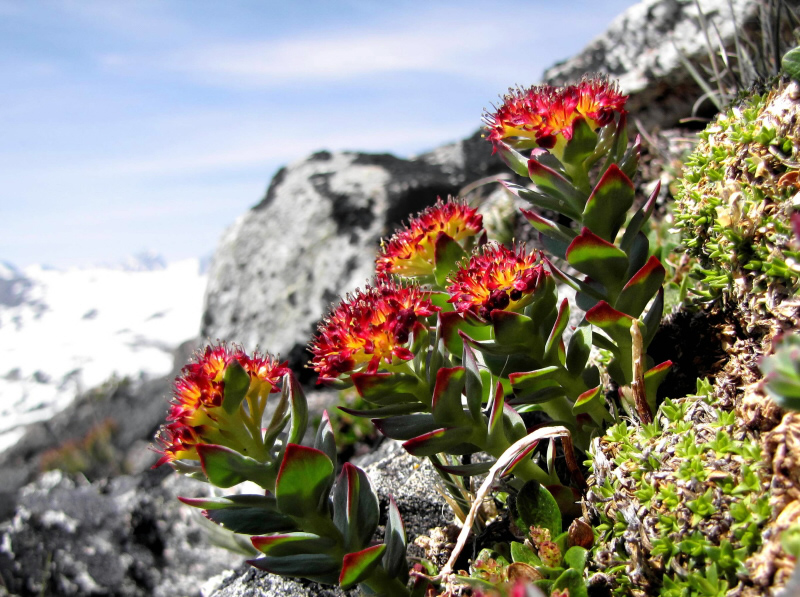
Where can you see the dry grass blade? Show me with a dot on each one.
(500, 468)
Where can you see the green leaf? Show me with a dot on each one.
(225, 467)
(438, 440)
(582, 144)
(576, 557)
(251, 521)
(495, 435)
(618, 326)
(247, 514)
(447, 253)
(579, 349)
(542, 200)
(359, 565)
(303, 481)
(355, 507)
(237, 382)
(554, 339)
(513, 159)
(608, 205)
(394, 560)
(452, 323)
(389, 388)
(515, 333)
(522, 553)
(387, 411)
(405, 427)
(639, 218)
(641, 288)
(298, 408)
(514, 428)
(653, 378)
(572, 580)
(598, 259)
(317, 567)
(653, 318)
(630, 160)
(473, 385)
(536, 507)
(637, 255)
(325, 441)
(534, 380)
(447, 408)
(568, 500)
(791, 63)
(549, 228)
(571, 200)
(592, 402)
(292, 544)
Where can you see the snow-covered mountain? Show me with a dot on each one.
(64, 332)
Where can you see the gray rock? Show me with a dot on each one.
(640, 48)
(314, 236)
(128, 411)
(128, 536)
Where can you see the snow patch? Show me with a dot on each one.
(77, 328)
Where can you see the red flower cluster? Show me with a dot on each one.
(495, 278)
(194, 415)
(544, 113)
(371, 326)
(410, 252)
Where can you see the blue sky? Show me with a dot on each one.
(151, 125)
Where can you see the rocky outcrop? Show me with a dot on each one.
(642, 48)
(314, 236)
(130, 536)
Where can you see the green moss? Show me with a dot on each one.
(678, 513)
(738, 193)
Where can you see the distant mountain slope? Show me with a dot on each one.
(63, 332)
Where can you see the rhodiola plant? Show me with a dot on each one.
(308, 522)
(451, 345)
(581, 168)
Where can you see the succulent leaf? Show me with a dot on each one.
(579, 349)
(358, 566)
(225, 467)
(598, 259)
(355, 507)
(639, 218)
(387, 388)
(387, 411)
(303, 481)
(394, 559)
(321, 568)
(325, 440)
(237, 382)
(447, 408)
(447, 253)
(554, 339)
(608, 205)
(438, 440)
(292, 544)
(542, 200)
(571, 200)
(404, 427)
(582, 144)
(473, 385)
(641, 288)
(536, 507)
